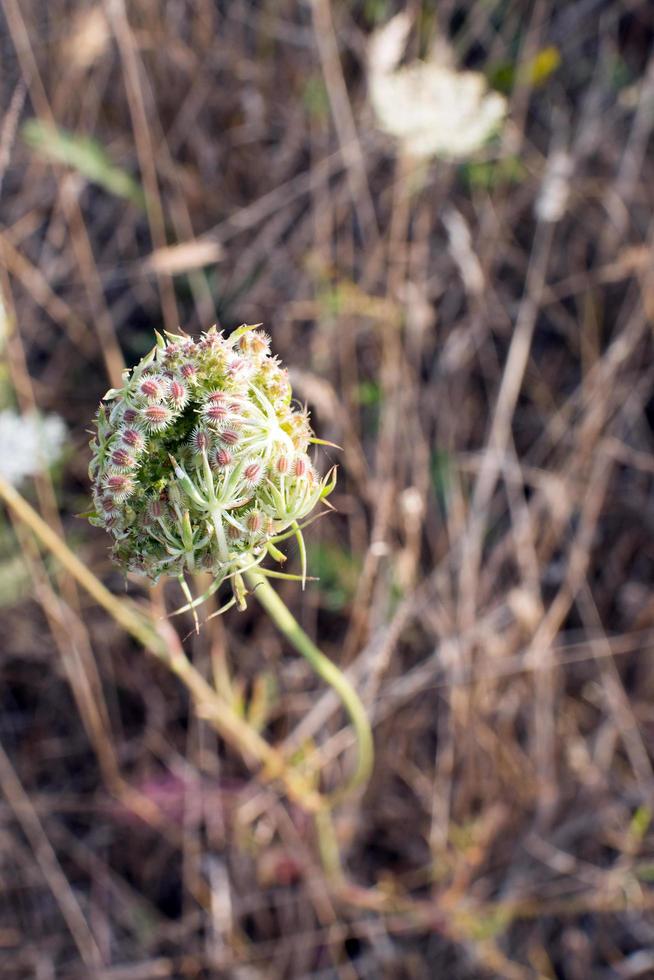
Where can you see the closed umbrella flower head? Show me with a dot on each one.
(186, 468)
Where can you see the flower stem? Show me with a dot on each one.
(221, 540)
(328, 671)
(160, 640)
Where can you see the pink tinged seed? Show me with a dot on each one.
(282, 465)
(300, 466)
(254, 522)
(157, 415)
(216, 411)
(156, 508)
(130, 415)
(235, 365)
(120, 484)
(177, 392)
(229, 436)
(252, 472)
(200, 440)
(120, 457)
(188, 371)
(216, 396)
(223, 457)
(133, 438)
(150, 388)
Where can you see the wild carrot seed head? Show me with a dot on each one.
(154, 489)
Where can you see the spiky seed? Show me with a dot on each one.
(200, 440)
(254, 521)
(120, 485)
(252, 473)
(222, 456)
(156, 508)
(133, 438)
(178, 393)
(156, 417)
(153, 388)
(122, 460)
(229, 437)
(215, 412)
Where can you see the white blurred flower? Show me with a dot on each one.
(29, 444)
(430, 108)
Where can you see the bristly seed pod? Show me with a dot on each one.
(222, 456)
(254, 522)
(178, 393)
(156, 508)
(134, 439)
(252, 473)
(189, 459)
(200, 440)
(122, 460)
(153, 388)
(229, 436)
(156, 417)
(188, 371)
(215, 411)
(120, 485)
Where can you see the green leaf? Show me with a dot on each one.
(338, 573)
(245, 328)
(489, 175)
(83, 154)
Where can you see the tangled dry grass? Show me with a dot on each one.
(483, 354)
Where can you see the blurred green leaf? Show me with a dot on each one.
(504, 75)
(489, 175)
(376, 11)
(441, 474)
(315, 98)
(338, 572)
(83, 154)
(368, 393)
(640, 823)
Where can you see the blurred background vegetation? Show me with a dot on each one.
(474, 328)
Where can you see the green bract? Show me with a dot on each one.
(200, 459)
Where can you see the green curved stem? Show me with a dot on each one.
(328, 671)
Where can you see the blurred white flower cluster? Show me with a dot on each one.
(29, 444)
(430, 108)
